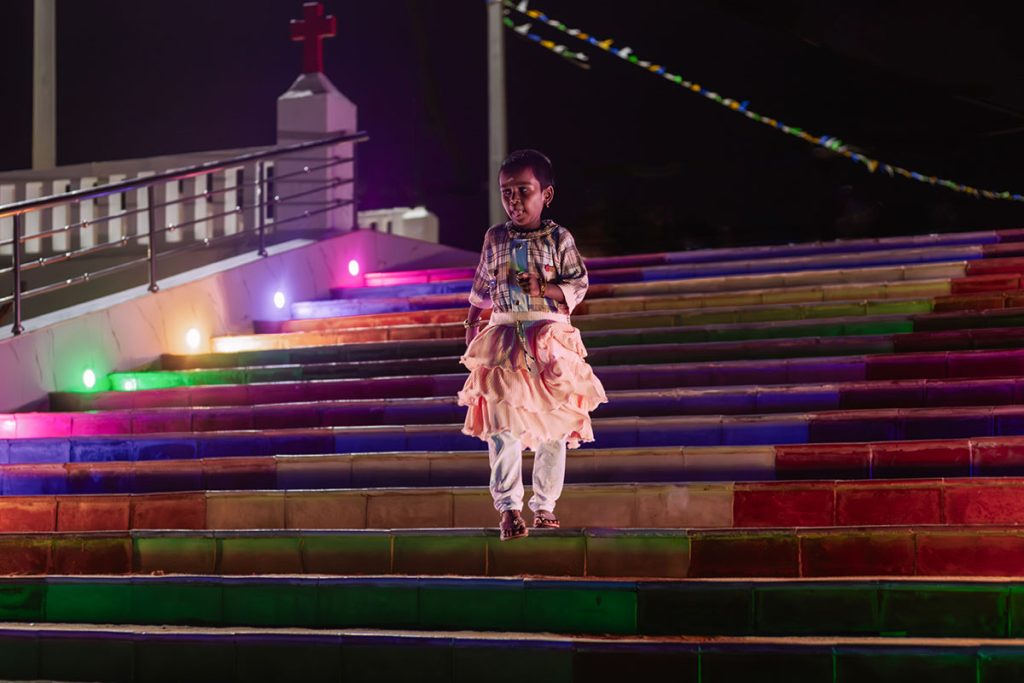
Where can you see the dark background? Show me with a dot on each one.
(641, 164)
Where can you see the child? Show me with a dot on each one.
(528, 386)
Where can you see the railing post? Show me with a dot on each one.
(260, 209)
(151, 247)
(18, 230)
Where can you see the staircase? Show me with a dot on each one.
(810, 468)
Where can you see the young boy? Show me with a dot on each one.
(529, 385)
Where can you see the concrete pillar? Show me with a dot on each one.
(496, 109)
(313, 108)
(44, 85)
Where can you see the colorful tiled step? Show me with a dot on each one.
(983, 457)
(440, 405)
(143, 655)
(810, 607)
(901, 424)
(618, 282)
(893, 551)
(447, 307)
(724, 505)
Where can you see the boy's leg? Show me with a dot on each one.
(506, 456)
(548, 475)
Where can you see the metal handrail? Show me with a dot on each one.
(17, 211)
(127, 213)
(27, 205)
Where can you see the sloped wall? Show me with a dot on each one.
(133, 328)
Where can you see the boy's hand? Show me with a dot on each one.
(471, 333)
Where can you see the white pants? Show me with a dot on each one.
(506, 455)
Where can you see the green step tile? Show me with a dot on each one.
(864, 328)
(568, 608)
(195, 603)
(888, 307)
(382, 603)
(22, 601)
(347, 553)
(695, 608)
(634, 664)
(279, 605)
(175, 554)
(655, 555)
(810, 609)
(441, 554)
(248, 555)
(473, 605)
(545, 554)
(95, 601)
(945, 610)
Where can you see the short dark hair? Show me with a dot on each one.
(535, 161)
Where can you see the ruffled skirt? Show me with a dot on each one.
(544, 398)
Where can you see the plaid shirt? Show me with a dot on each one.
(549, 251)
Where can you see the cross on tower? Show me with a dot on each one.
(311, 30)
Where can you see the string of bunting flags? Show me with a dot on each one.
(830, 143)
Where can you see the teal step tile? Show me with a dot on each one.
(274, 659)
(475, 605)
(22, 601)
(945, 610)
(816, 609)
(635, 664)
(397, 660)
(19, 657)
(572, 607)
(695, 608)
(172, 659)
(376, 603)
(279, 604)
(95, 601)
(73, 658)
(197, 602)
(1001, 665)
(891, 665)
(497, 663)
(766, 665)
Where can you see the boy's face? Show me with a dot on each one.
(523, 197)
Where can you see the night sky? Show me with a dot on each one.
(640, 164)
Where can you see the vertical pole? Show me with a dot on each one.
(260, 209)
(44, 84)
(151, 247)
(18, 221)
(498, 143)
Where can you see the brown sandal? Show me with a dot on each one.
(512, 525)
(542, 519)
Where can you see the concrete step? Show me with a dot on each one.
(144, 654)
(913, 608)
(821, 504)
(893, 551)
